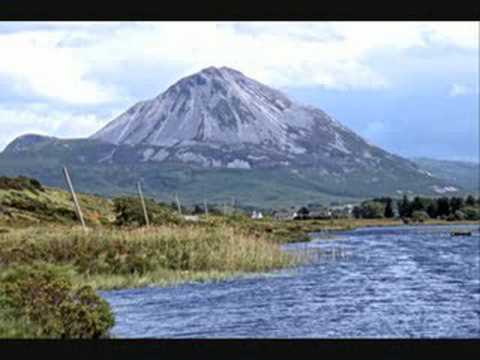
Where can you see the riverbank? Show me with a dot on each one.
(114, 258)
(73, 263)
(415, 281)
(215, 248)
(289, 231)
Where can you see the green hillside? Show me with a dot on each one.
(106, 169)
(463, 173)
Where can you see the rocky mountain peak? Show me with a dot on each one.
(221, 117)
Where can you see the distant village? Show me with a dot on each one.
(315, 212)
(308, 213)
(302, 212)
(417, 208)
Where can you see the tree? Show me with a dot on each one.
(372, 210)
(470, 201)
(443, 206)
(404, 208)
(197, 209)
(417, 204)
(456, 203)
(357, 212)
(303, 212)
(388, 208)
(432, 209)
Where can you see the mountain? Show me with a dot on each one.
(465, 174)
(222, 118)
(217, 134)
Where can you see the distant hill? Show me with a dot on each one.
(462, 173)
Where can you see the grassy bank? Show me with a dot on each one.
(299, 230)
(103, 256)
(49, 274)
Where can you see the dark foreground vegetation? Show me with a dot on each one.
(40, 300)
(50, 267)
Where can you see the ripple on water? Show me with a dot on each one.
(408, 281)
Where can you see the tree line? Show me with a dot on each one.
(420, 208)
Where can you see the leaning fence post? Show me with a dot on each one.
(205, 206)
(144, 207)
(178, 204)
(74, 197)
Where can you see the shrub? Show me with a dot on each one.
(450, 217)
(129, 212)
(459, 215)
(20, 183)
(420, 216)
(471, 213)
(372, 210)
(44, 210)
(39, 300)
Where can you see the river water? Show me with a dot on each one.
(388, 282)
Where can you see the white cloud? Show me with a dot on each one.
(57, 60)
(35, 62)
(40, 119)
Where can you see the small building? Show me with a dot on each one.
(320, 214)
(283, 215)
(341, 211)
(256, 215)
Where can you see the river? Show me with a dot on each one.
(385, 282)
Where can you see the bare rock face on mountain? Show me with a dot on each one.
(222, 118)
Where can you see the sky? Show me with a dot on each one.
(409, 87)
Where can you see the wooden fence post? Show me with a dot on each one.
(74, 197)
(178, 204)
(205, 206)
(144, 207)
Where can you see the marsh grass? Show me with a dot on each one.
(111, 258)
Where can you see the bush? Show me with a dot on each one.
(420, 216)
(40, 301)
(20, 183)
(41, 209)
(372, 210)
(459, 215)
(471, 213)
(450, 217)
(129, 212)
